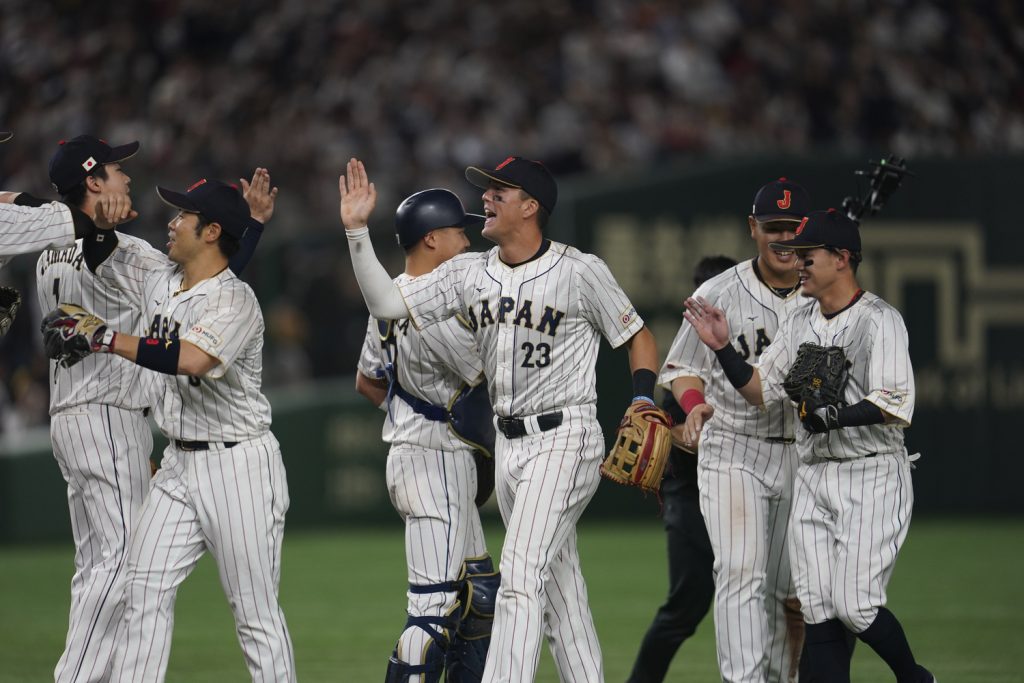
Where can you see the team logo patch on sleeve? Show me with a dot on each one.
(206, 335)
(892, 396)
(627, 316)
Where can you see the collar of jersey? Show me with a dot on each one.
(545, 245)
(780, 292)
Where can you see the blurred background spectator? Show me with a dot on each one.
(422, 89)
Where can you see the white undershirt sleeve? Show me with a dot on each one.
(382, 297)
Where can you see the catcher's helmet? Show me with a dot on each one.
(429, 210)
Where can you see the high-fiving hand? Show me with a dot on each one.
(709, 322)
(358, 196)
(259, 195)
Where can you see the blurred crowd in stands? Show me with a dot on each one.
(422, 89)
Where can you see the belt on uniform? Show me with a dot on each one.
(515, 427)
(780, 439)
(203, 445)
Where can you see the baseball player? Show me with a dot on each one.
(747, 460)
(101, 438)
(415, 375)
(537, 308)
(222, 483)
(690, 558)
(853, 493)
(28, 225)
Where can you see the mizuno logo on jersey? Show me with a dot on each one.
(502, 314)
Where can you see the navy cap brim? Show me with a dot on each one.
(177, 200)
(5, 136)
(484, 179)
(122, 152)
(765, 218)
(795, 243)
(471, 220)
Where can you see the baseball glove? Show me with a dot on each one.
(816, 383)
(10, 300)
(641, 448)
(70, 333)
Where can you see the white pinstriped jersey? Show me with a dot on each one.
(62, 277)
(221, 316)
(26, 229)
(433, 364)
(755, 313)
(874, 338)
(536, 324)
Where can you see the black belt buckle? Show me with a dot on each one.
(515, 427)
(780, 439)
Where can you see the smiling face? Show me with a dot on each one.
(505, 209)
(182, 241)
(775, 264)
(818, 269)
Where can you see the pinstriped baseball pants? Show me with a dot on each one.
(231, 502)
(103, 453)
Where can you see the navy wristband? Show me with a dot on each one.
(737, 370)
(643, 383)
(158, 354)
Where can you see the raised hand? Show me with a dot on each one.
(259, 195)
(113, 210)
(358, 196)
(709, 322)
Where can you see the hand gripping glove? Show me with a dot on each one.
(10, 300)
(816, 383)
(641, 448)
(70, 333)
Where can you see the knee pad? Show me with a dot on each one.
(468, 651)
(414, 657)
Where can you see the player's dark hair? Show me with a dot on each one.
(710, 266)
(76, 195)
(228, 244)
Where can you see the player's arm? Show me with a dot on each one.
(374, 390)
(260, 197)
(370, 380)
(358, 198)
(29, 224)
(713, 329)
(169, 356)
(643, 361)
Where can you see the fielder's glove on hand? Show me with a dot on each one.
(641, 448)
(10, 300)
(821, 420)
(70, 333)
(816, 383)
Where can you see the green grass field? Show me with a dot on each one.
(957, 590)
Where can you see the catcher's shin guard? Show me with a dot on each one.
(468, 651)
(414, 657)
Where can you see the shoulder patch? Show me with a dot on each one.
(206, 335)
(627, 316)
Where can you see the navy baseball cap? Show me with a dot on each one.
(830, 229)
(429, 210)
(76, 158)
(5, 136)
(532, 177)
(216, 201)
(781, 200)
